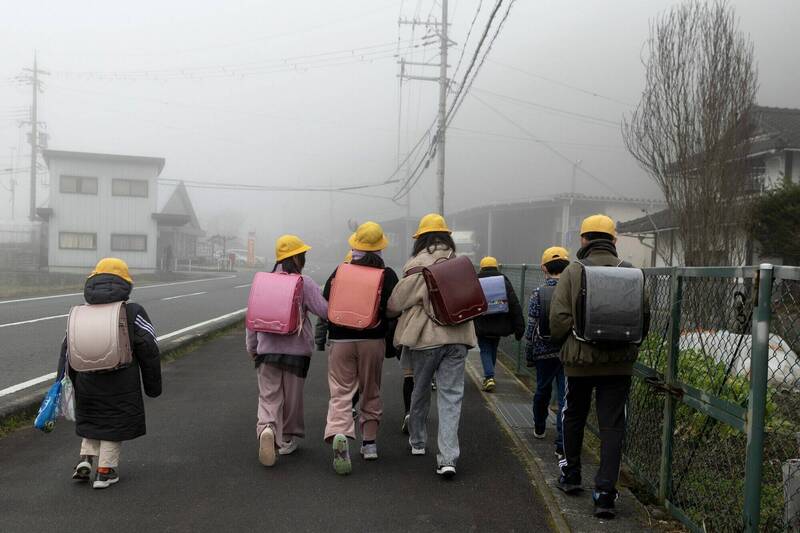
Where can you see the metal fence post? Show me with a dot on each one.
(670, 377)
(521, 294)
(757, 400)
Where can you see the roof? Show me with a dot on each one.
(557, 199)
(114, 158)
(777, 128)
(180, 205)
(649, 223)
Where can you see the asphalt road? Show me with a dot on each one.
(197, 468)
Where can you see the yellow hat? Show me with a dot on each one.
(349, 256)
(431, 223)
(598, 224)
(488, 262)
(368, 237)
(553, 253)
(112, 265)
(289, 245)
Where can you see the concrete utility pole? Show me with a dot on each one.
(443, 86)
(33, 79)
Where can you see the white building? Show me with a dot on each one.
(101, 205)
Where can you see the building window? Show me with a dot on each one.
(128, 243)
(78, 185)
(68, 240)
(120, 187)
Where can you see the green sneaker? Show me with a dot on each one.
(341, 455)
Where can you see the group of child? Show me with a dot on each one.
(109, 407)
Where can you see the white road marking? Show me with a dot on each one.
(244, 285)
(137, 288)
(183, 296)
(41, 379)
(32, 321)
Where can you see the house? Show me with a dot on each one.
(774, 158)
(178, 230)
(519, 232)
(101, 205)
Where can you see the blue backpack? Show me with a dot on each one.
(494, 288)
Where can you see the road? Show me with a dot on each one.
(197, 468)
(31, 329)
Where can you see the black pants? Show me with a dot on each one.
(611, 399)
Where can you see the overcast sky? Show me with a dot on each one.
(283, 102)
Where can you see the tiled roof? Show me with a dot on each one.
(776, 128)
(658, 221)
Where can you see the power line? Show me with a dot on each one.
(608, 147)
(466, 39)
(546, 145)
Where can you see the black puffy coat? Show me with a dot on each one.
(109, 405)
(501, 324)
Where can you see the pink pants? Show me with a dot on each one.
(355, 366)
(280, 403)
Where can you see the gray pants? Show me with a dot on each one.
(447, 363)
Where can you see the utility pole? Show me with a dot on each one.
(36, 83)
(444, 43)
(566, 211)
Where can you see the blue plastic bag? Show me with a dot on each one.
(46, 418)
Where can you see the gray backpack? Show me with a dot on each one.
(610, 305)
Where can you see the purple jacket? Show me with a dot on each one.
(298, 344)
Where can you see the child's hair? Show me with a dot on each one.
(556, 267)
(429, 241)
(370, 259)
(597, 236)
(291, 265)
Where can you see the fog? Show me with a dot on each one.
(306, 93)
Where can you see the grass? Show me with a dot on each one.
(31, 284)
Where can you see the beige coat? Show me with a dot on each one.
(415, 329)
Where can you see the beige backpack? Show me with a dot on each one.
(97, 337)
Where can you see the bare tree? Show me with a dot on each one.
(691, 130)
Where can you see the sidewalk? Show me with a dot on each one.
(512, 405)
(197, 468)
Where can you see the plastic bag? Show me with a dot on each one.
(66, 404)
(46, 418)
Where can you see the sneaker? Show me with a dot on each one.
(341, 455)
(355, 412)
(569, 485)
(433, 384)
(446, 471)
(83, 470)
(417, 451)
(560, 453)
(105, 478)
(489, 385)
(266, 447)
(369, 451)
(404, 425)
(287, 448)
(604, 503)
(538, 434)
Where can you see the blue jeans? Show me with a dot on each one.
(547, 371)
(488, 348)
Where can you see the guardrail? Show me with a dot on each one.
(714, 409)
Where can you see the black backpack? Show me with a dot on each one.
(545, 298)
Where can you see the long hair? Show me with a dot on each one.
(429, 242)
(370, 259)
(293, 264)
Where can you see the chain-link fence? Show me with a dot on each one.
(714, 409)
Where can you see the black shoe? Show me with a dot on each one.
(569, 485)
(83, 470)
(106, 478)
(604, 503)
(560, 453)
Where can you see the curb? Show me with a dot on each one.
(556, 518)
(27, 404)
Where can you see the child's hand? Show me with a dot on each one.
(252, 355)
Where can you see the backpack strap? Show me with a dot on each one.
(412, 271)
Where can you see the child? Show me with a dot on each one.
(541, 352)
(108, 405)
(355, 361)
(282, 362)
(431, 349)
(491, 328)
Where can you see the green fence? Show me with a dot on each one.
(714, 409)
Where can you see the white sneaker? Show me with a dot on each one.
(538, 435)
(369, 451)
(417, 451)
(447, 471)
(266, 447)
(287, 447)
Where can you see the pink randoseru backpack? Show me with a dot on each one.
(276, 303)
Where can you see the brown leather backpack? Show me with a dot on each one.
(454, 290)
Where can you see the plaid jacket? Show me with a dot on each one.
(536, 347)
